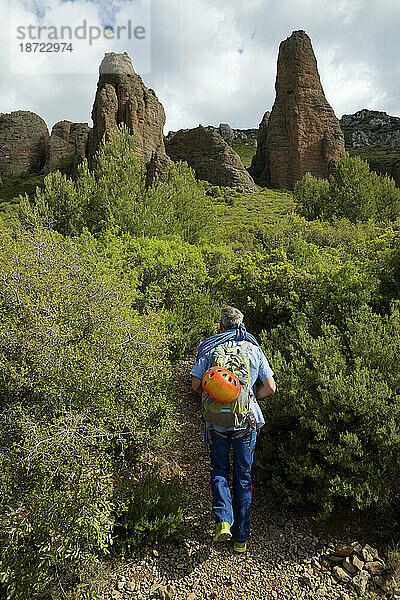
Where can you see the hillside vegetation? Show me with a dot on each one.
(246, 151)
(106, 285)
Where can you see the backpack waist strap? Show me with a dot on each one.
(251, 426)
(234, 436)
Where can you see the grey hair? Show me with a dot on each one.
(231, 317)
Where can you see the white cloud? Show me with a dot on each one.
(346, 10)
(215, 61)
(351, 93)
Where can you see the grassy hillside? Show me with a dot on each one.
(376, 154)
(245, 210)
(245, 150)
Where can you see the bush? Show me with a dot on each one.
(311, 196)
(387, 269)
(267, 288)
(179, 205)
(152, 512)
(323, 283)
(354, 192)
(84, 385)
(291, 229)
(333, 429)
(68, 329)
(14, 185)
(169, 277)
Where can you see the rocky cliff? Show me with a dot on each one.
(369, 128)
(24, 141)
(211, 157)
(243, 141)
(303, 133)
(122, 97)
(375, 136)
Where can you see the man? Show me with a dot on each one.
(232, 515)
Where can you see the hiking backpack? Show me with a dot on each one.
(231, 414)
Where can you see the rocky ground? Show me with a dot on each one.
(286, 558)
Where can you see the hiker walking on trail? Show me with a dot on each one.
(227, 368)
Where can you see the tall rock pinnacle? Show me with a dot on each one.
(303, 133)
(122, 97)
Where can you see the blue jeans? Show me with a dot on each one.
(236, 510)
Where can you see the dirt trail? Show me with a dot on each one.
(282, 549)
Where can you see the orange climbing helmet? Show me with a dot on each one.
(221, 385)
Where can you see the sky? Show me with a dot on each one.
(209, 61)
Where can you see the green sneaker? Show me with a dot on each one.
(223, 532)
(240, 546)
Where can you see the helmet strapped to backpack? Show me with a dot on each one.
(221, 385)
(231, 361)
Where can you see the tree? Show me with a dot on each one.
(311, 195)
(115, 194)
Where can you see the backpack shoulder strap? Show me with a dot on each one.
(220, 356)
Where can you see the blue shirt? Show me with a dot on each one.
(259, 369)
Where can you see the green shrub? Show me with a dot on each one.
(311, 196)
(333, 428)
(241, 222)
(286, 232)
(212, 190)
(56, 503)
(179, 205)
(387, 270)
(68, 327)
(354, 192)
(152, 511)
(324, 283)
(267, 288)
(218, 258)
(169, 277)
(14, 185)
(58, 205)
(245, 150)
(84, 385)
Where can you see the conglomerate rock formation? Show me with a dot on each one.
(303, 133)
(211, 158)
(68, 141)
(230, 135)
(122, 97)
(23, 142)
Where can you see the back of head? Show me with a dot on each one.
(231, 317)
